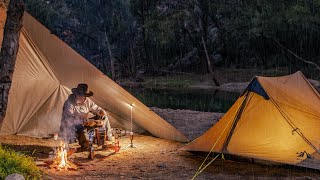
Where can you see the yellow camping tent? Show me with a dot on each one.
(45, 71)
(276, 119)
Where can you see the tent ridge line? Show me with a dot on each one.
(235, 122)
(310, 86)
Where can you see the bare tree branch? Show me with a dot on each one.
(209, 64)
(295, 55)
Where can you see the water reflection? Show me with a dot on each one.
(208, 101)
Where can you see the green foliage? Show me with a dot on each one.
(14, 162)
(155, 34)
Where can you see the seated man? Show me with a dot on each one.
(75, 113)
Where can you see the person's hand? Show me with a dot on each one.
(102, 113)
(84, 115)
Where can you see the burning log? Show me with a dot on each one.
(61, 159)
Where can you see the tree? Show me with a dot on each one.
(10, 46)
(143, 11)
(201, 19)
(187, 35)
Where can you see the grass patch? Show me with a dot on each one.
(15, 162)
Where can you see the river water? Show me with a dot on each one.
(199, 100)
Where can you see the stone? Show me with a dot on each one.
(15, 176)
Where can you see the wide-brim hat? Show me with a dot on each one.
(82, 90)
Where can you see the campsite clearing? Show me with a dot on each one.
(157, 158)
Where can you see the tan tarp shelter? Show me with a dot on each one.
(46, 69)
(275, 119)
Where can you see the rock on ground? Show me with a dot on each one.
(15, 176)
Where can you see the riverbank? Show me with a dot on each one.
(231, 80)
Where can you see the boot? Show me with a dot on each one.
(91, 153)
(84, 146)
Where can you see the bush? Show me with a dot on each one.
(15, 162)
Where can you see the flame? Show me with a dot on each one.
(61, 159)
(62, 156)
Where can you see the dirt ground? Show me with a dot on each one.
(156, 158)
(190, 123)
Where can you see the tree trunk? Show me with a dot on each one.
(133, 61)
(148, 58)
(10, 46)
(209, 64)
(113, 73)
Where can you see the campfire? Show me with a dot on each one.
(61, 159)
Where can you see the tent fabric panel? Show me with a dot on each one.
(47, 119)
(263, 133)
(24, 101)
(292, 90)
(298, 101)
(217, 133)
(305, 121)
(30, 63)
(31, 85)
(70, 69)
